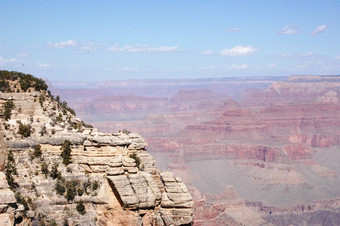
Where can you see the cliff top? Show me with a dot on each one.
(56, 169)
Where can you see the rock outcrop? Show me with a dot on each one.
(56, 169)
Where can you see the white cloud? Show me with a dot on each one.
(238, 66)
(310, 55)
(337, 58)
(233, 29)
(319, 29)
(88, 46)
(4, 61)
(208, 52)
(239, 51)
(44, 65)
(68, 43)
(144, 48)
(289, 30)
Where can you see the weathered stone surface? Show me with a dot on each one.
(128, 162)
(122, 184)
(106, 139)
(112, 171)
(6, 219)
(58, 139)
(6, 195)
(18, 144)
(176, 193)
(152, 184)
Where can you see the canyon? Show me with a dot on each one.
(57, 170)
(256, 150)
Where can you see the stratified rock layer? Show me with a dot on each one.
(111, 175)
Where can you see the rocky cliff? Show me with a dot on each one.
(56, 170)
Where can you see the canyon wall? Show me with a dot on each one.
(263, 147)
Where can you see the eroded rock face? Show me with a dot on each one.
(3, 152)
(110, 179)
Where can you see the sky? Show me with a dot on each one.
(109, 40)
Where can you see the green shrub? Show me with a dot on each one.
(80, 192)
(126, 132)
(8, 107)
(59, 187)
(24, 130)
(136, 158)
(54, 171)
(70, 193)
(4, 86)
(81, 208)
(41, 99)
(71, 189)
(95, 185)
(66, 152)
(21, 200)
(10, 171)
(37, 151)
(44, 169)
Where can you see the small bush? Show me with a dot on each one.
(95, 185)
(71, 189)
(10, 171)
(70, 193)
(41, 99)
(54, 171)
(44, 169)
(66, 152)
(125, 131)
(43, 131)
(24, 130)
(136, 158)
(81, 208)
(21, 200)
(59, 187)
(80, 192)
(8, 107)
(37, 151)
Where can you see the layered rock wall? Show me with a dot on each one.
(110, 179)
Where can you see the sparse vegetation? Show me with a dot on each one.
(21, 200)
(59, 187)
(81, 208)
(8, 107)
(54, 171)
(126, 132)
(37, 151)
(136, 158)
(43, 131)
(95, 185)
(80, 192)
(41, 99)
(10, 171)
(44, 169)
(24, 130)
(26, 81)
(71, 188)
(66, 152)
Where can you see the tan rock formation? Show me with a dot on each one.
(110, 179)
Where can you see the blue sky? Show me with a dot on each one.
(106, 40)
